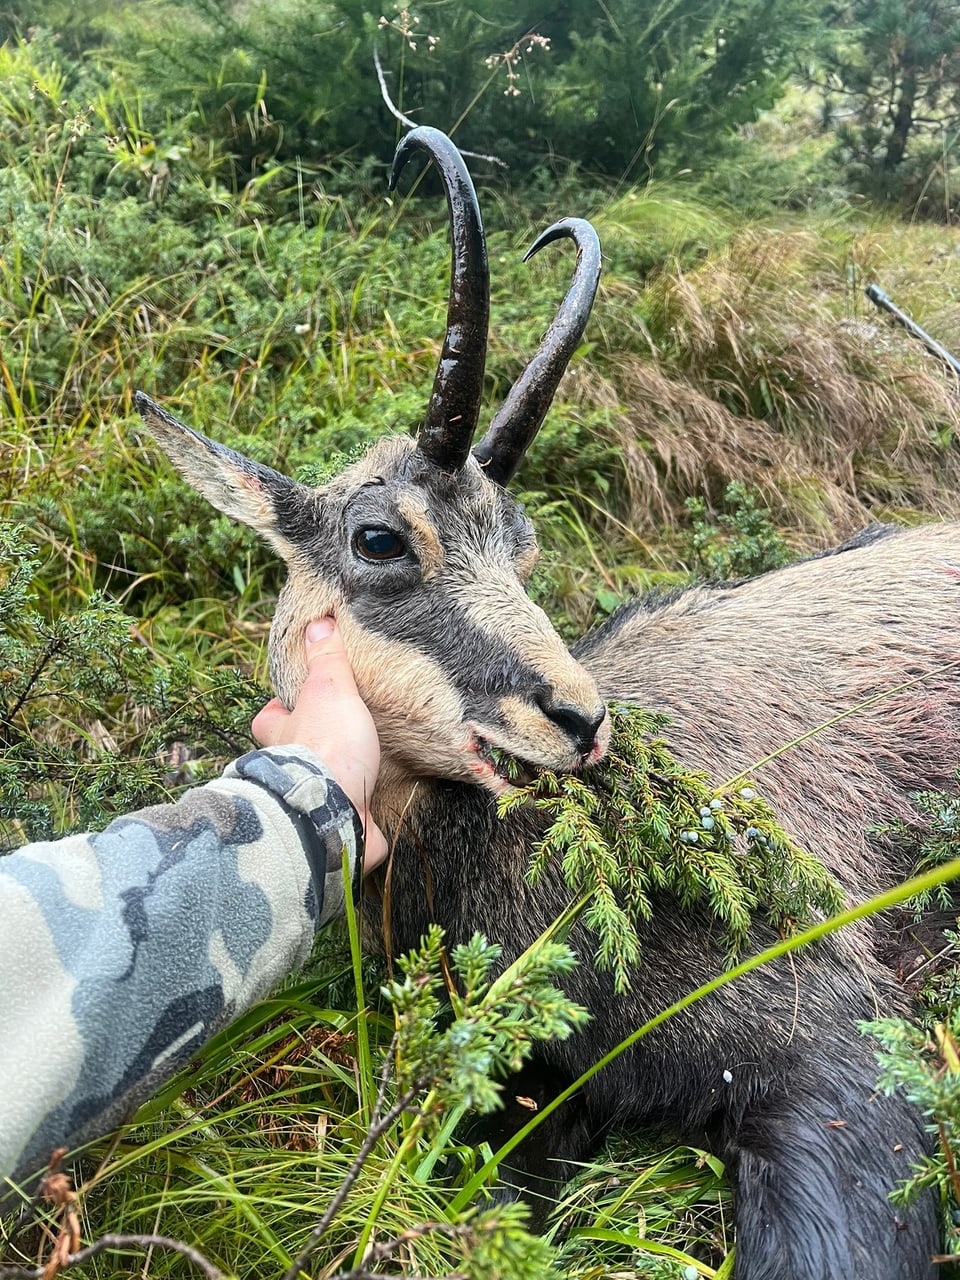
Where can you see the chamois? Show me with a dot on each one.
(422, 556)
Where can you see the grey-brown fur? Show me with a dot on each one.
(451, 654)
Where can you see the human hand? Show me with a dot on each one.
(332, 720)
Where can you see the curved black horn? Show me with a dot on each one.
(451, 417)
(510, 433)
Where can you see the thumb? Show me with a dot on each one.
(328, 667)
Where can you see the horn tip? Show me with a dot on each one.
(582, 232)
(423, 137)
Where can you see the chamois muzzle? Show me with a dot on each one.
(580, 726)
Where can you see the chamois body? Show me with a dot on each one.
(741, 670)
(424, 557)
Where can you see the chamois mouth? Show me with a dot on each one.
(503, 766)
(501, 770)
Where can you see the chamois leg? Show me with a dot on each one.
(812, 1171)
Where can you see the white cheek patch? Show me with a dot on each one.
(417, 709)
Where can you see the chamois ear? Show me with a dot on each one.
(243, 489)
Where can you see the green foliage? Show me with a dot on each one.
(498, 1245)
(496, 1019)
(59, 681)
(644, 1212)
(287, 321)
(459, 1048)
(640, 824)
(925, 1066)
(932, 842)
(894, 69)
(609, 87)
(87, 713)
(324, 470)
(739, 542)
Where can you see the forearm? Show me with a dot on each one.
(123, 952)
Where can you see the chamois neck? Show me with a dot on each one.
(396, 793)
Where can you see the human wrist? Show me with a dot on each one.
(320, 811)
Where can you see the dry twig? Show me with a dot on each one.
(409, 123)
(59, 1262)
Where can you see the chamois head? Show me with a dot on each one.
(418, 550)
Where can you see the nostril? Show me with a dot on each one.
(577, 723)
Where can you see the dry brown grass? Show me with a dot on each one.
(762, 364)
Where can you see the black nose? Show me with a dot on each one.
(579, 725)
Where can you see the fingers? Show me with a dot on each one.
(375, 845)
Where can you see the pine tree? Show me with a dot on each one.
(897, 64)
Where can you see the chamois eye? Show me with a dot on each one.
(379, 544)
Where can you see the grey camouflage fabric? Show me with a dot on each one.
(121, 953)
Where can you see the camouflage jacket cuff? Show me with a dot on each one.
(319, 810)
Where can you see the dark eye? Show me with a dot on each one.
(379, 544)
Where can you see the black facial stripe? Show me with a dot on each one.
(481, 666)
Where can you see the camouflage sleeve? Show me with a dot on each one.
(121, 953)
